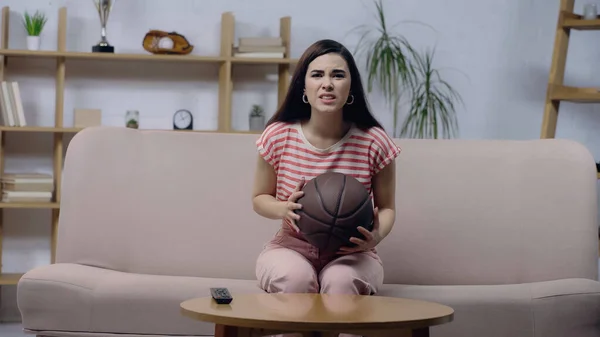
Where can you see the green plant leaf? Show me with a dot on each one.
(256, 111)
(34, 24)
(398, 69)
(432, 109)
(387, 61)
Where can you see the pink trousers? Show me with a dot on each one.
(289, 264)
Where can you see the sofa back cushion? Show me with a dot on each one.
(160, 202)
(493, 212)
(469, 212)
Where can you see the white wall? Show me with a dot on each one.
(501, 49)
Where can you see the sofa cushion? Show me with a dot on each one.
(567, 307)
(513, 211)
(63, 298)
(78, 298)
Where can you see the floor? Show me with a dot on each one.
(12, 330)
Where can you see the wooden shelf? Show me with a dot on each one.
(38, 129)
(50, 129)
(576, 21)
(574, 94)
(556, 91)
(30, 205)
(142, 57)
(9, 279)
(111, 56)
(225, 62)
(256, 60)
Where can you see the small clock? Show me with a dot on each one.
(183, 120)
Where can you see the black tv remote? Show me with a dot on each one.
(221, 295)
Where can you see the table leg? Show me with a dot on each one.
(225, 331)
(422, 332)
(232, 331)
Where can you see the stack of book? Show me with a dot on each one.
(267, 47)
(11, 104)
(27, 187)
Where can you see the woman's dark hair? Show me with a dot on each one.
(294, 109)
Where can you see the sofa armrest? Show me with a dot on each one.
(568, 307)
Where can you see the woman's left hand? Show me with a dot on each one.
(371, 239)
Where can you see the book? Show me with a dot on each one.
(11, 104)
(26, 196)
(260, 55)
(261, 41)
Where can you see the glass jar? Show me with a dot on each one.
(132, 118)
(590, 12)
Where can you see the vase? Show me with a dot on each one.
(33, 42)
(257, 123)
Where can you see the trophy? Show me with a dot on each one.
(104, 7)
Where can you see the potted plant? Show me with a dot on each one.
(34, 26)
(132, 119)
(257, 118)
(432, 111)
(399, 69)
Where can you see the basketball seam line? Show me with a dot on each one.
(368, 199)
(337, 206)
(321, 200)
(304, 213)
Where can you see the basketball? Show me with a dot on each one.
(333, 206)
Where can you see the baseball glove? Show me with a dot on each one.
(161, 42)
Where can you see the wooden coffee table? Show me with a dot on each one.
(251, 315)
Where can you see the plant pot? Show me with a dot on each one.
(257, 123)
(33, 42)
(132, 119)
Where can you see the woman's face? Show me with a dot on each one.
(327, 83)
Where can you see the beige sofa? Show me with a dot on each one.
(505, 232)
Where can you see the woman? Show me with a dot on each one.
(323, 124)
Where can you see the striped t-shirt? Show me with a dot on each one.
(361, 154)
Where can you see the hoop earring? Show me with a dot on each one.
(304, 98)
(352, 101)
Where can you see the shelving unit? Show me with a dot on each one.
(557, 92)
(225, 61)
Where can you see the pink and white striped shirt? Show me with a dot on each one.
(360, 154)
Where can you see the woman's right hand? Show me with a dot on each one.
(291, 205)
